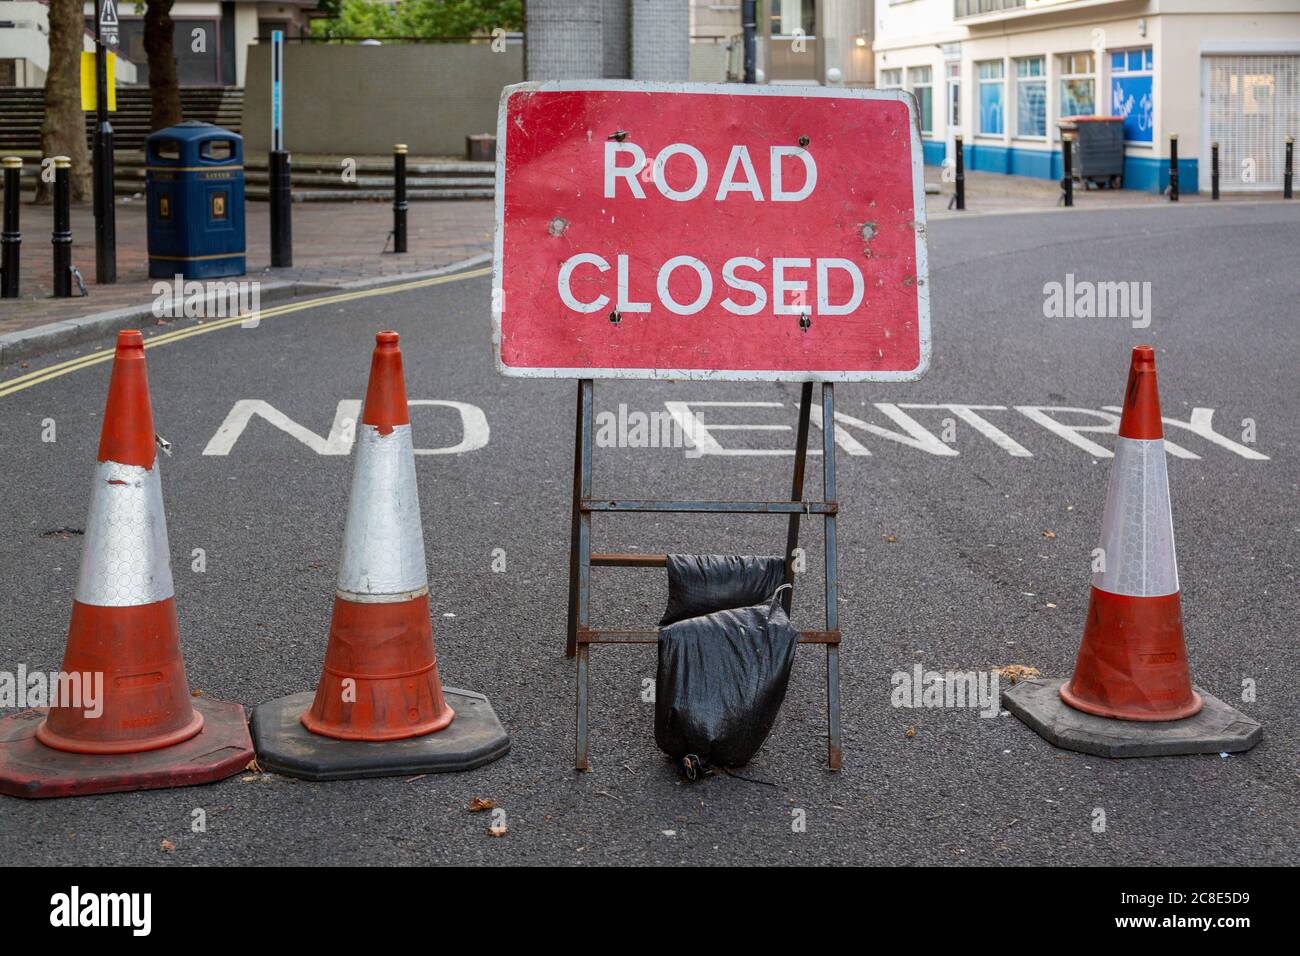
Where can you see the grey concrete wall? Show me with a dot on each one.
(614, 35)
(660, 33)
(565, 39)
(359, 100)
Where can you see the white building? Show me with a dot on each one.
(1003, 72)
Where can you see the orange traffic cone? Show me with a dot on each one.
(1132, 664)
(380, 680)
(380, 707)
(143, 730)
(1131, 693)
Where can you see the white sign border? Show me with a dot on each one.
(710, 375)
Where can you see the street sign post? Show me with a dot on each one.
(739, 232)
(281, 191)
(106, 27)
(710, 232)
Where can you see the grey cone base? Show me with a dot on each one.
(475, 737)
(1218, 728)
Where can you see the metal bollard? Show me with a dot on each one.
(281, 196)
(1173, 167)
(399, 198)
(1286, 170)
(62, 235)
(1214, 170)
(11, 239)
(959, 193)
(1067, 159)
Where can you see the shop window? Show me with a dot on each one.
(1078, 85)
(992, 119)
(920, 81)
(1131, 95)
(1031, 97)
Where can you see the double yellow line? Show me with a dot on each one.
(167, 338)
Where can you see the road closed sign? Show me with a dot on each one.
(689, 231)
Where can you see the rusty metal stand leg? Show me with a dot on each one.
(571, 643)
(796, 490)
(580, 563)
(833, 744)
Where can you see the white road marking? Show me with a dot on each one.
(474, 427)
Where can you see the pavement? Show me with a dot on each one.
(971, 560)
(335, 244)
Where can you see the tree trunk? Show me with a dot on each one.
(164, 88)
(63, 130)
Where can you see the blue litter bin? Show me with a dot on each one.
(194, 176)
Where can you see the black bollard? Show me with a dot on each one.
(1173, 167)
(1067, 160)
(11, 239)
(62, 236)
(281, 209)
(399, 198)
(102, 167)
(960, 175)
(1214, 170)
(1286, 170)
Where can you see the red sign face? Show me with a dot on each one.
(690, 231)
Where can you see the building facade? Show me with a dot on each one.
(1003, 73)
(211, 38)
(818, 42)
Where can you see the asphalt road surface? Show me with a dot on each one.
(962, 555)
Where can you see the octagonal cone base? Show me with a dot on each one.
(285, 746)
(1217, 728)
(28, 768)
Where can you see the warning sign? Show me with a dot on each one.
(690, 231)
(108, 23)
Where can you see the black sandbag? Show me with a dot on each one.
(721, 681)
(703, 583)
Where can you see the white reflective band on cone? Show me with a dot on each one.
(125, 561)
(383, 543)
(1137, 529)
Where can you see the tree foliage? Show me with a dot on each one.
(362, 19)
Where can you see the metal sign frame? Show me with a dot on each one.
(922, 283)
(581, 635)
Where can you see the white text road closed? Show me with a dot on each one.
(710, 232)
(940, 429)
(474, 431)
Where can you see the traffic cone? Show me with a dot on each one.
(1132, 664)
(1131, 686)
(145, 731)
(380, 708)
